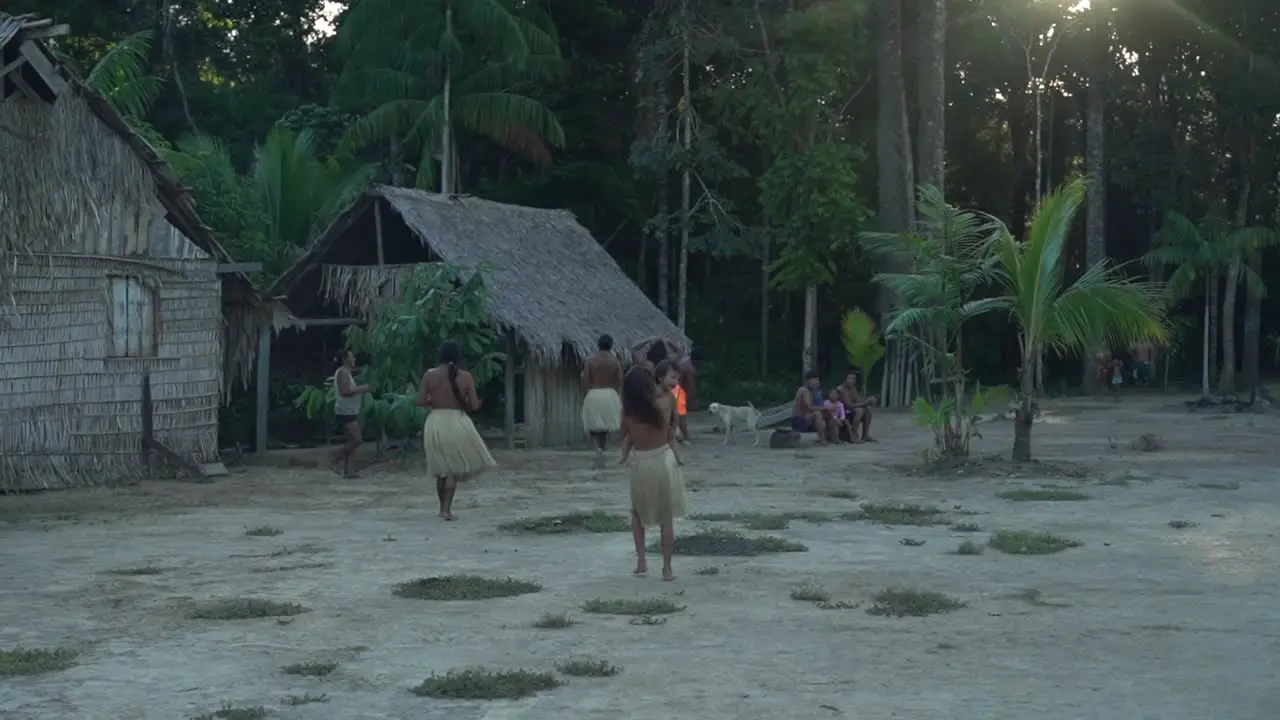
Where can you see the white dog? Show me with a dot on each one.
(745, 418)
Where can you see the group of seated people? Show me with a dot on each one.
(842, 415)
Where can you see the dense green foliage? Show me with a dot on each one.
(276, 111)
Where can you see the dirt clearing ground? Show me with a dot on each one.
(1136, 585)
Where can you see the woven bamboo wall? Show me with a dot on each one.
(552, 406)
(84, 210)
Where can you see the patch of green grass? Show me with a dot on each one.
(1220, 486)
(245, 609)
(35, 661)
(969, 547)
(967, 527)
(228, 712)
(482, 684)
(808, 593)
(1042, 495)
(900, 602)
(1025, 542)
(463, 587)
(554, 621)
(899, 514)
(136, 571)
(764, 521)
(263, 531)
(725, 543)
(304, 699)
(840, 494)
(592, 522)
(646, 607)
(587, 668)
(310, 669)
(708, 570)
(1183, 524)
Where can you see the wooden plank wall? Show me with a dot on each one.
(553, 406)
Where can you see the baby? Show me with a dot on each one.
(837, 413)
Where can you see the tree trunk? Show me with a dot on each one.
(686, 131)
(764, 309)
(931, 132)
(1095, 160)
(1252, 329)
(1024, 417)
(1206, 367)
(809, 354)
(664, 213)
(1227, 380)
(446, 132)
(1215, 320)
(896, 184)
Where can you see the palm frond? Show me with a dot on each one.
(391, 119)
(121, 75)
(515, 122)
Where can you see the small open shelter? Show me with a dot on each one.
(553, 289)
(123, 323)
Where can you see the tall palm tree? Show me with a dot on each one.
(1197, 255)
(1102, 304)
(445, 64)
(289, 194)
(122, 76)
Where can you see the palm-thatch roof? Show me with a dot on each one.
(247, 308)
(548, 279)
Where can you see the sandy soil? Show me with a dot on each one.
(1143, 621)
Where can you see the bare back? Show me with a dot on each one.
(438, 392)
(648, 437)
(602, 371)
(804, 403)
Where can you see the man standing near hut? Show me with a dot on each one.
(602, 405)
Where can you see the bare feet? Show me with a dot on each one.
(641, 568)
(668, 575)
(448, 516)
(868, 438)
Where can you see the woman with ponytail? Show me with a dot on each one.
(455, 451)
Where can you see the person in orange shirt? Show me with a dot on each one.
(682, 409)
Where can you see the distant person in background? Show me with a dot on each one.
(807, 413)
(602, 404)
(687, 396)
(857, 408)
(1143, 362)
(346, 410)
(455, 451)
(1102, 367)
(657, 479)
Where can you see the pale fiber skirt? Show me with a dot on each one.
(602, 410)
(657, 486)
(453, 446)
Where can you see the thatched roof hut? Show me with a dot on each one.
(107, 275)
(551, 284)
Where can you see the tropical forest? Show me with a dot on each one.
(1000, 190)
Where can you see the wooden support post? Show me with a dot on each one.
(509, 391)
(148, 425)
(264, 387)
(377, 231)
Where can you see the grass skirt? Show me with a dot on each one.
(657, 486)
(453, 446)
(602, 410)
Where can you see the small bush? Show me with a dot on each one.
(647, 606)
(587, 668)
(1044, 495)
(969, 547)
(898, 602)
(554, 621)
(463, 587)
(592, 522)
(482, 684)
(35, 661)
(245, 609)
(1023, 542)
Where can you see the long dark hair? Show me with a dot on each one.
(657, 352)
(638, 391)
(451, 355)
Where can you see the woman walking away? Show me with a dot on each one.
(602, 405)
(657, 480)
(346, 409)
(455, 451)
